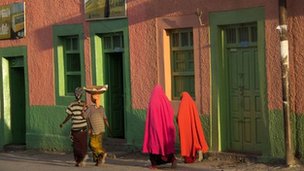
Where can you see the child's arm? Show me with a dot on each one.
(68, 117)
(106, 122)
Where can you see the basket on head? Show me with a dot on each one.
(96, 89)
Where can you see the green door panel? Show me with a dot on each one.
(244, 96)
(115, 94)
(17, 91)
(236, 130)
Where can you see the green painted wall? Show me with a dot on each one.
(135, 127)
(299, 136)
(276, 134)
(43, 131)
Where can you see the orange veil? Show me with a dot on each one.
(192, 138)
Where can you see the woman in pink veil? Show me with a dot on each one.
(159, 137)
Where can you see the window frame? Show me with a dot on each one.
(70, 51)
(180, 48)
(59, 33)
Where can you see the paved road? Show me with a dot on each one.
(53, 161)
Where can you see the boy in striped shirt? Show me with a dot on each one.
(79, 128)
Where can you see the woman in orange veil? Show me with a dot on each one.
(192, 138)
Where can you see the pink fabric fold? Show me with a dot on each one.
(159, 135)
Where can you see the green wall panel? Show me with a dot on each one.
(135, 127)
(276, 134)
(299, 136)
(43, 131)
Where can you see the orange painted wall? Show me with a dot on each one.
(296, 48)
(146, 56)
(40, 17)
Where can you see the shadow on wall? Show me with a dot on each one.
(148, 10)
(43, 15)
(151, 9)
(45, 33)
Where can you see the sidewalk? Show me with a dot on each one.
(124, 158)
(32, 160)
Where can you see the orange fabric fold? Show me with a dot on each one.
(192, 138)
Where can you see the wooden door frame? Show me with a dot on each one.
(219, 95)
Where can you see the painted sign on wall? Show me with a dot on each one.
(5, 22)
(12, 21)
(103, 9)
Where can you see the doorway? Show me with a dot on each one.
(245, 119)
(115, 94)
(14, 100)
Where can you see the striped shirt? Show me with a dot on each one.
(75, 111)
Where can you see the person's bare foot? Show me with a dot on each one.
(103, 160)
(200, 155)
(83, 162)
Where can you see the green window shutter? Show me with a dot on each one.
(182, 62)
(72, 64)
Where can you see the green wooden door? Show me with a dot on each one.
(115, 99)
(17, 91)
(245, 115)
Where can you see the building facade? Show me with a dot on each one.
(226, 54)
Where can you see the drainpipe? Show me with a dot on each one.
(289, 153)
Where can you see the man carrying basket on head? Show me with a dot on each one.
(97, 120)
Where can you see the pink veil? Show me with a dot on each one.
(159, 135)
